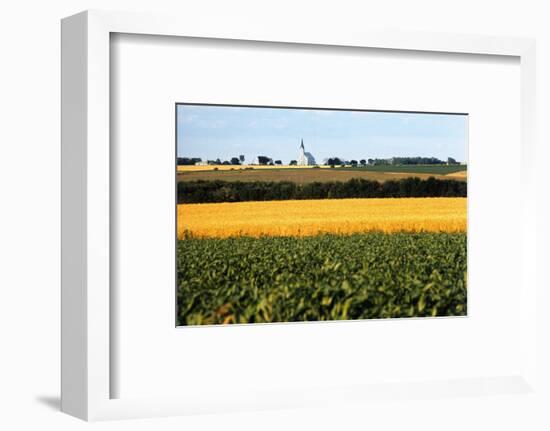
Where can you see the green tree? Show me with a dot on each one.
(263, 160)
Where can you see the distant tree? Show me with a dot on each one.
(188, 160)
(413, 161)
(218, 162)
(371, 161)
(278, 162)
(293, 163)
(225, 162)
(263, 160)
(353, 162)
(378, 162)
(451, 161)
(334, 161)
(241, 158)
(363, 162)
(271, 163)
(235, 161)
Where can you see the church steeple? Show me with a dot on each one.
(304, 159)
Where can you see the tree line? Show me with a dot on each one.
(236, 191)
(411, 161)
(332, 161)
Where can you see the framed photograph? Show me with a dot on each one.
(269, 232)
(261, 219)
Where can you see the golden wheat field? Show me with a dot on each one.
(311, 217)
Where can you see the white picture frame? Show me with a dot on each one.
(87, 341)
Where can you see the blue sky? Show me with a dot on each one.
(212, 132)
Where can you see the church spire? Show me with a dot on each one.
(302, 146)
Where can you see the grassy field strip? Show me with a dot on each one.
(199, 168)
(428, 169)
(311, 217)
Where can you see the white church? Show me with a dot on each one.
(305, 158)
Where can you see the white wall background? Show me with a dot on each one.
(30, 184)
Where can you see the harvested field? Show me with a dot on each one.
(304, 175)
(462, 175)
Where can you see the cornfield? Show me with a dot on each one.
(323, 277)
(312, 217)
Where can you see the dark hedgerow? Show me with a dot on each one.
(236, 191)
(324, 277)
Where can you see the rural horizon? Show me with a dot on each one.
(210, 132)
(243, 160)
